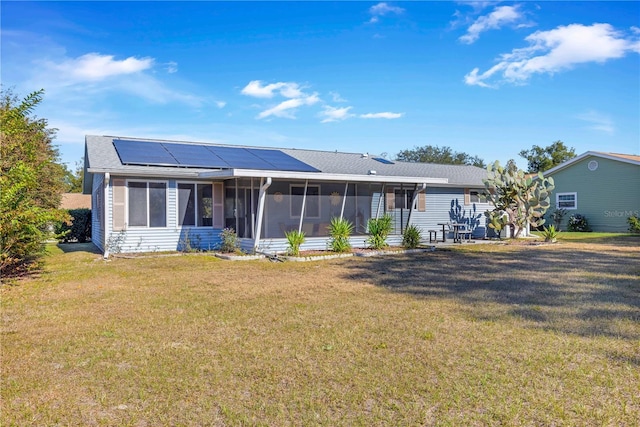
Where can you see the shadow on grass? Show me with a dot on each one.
(584, 292)
(79, 247)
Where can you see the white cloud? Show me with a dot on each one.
(382, 9)
(336, 97)
(500, 16)
(333, 114)
(383, 115)
(286, 109)
(597, 121)
(256, 89)
(172, 67)
(95, 67)
(556, 50)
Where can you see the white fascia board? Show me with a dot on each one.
(146, 173)
(319, 176)
(589, 154)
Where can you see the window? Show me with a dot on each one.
(403, 199)
(195, 205)
(477, 197)
(567, 201)
(147, 204)
(312, 203)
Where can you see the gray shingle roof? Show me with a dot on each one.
(101, 156)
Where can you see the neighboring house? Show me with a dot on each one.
(75, 201)
(152, 195)
(604, 187)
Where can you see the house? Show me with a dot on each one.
(603, 187)
(155, 195)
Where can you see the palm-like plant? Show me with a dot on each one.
(340, 231)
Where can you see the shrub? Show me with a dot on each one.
(557, 216)
(411, 237)
(295, 238)
(340, 231)
(229, 240)
(578, 222)
(77, 229)
(550, 234)
(634, 224)
(379, 229)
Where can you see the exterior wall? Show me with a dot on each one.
(606, 196)
(155, 239)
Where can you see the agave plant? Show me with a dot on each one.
(295, 238)
(550, 234)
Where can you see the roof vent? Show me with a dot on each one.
(372, 172)
(364, 155)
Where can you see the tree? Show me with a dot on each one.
(441, 155)
(30, 179)
(517, 198)
(542, 159)
(73, 179)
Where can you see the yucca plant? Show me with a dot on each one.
(340, 230)
(550, 234)
(295, 238)
(411, 237)
(379, 230)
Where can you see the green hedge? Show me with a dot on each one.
(78, 229)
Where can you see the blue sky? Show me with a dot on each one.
(485, 78)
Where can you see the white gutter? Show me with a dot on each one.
(107, 178)
(319, 176)
(415, 198)
(261, 198)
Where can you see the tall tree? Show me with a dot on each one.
(441, 155)
(73, 179)
(541, 159)
(31, 180)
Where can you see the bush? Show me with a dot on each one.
(578, 222)
(411, 237)
(229, 240)
(340, 231)
(78, 229)
(379, 229)
(295, 238)
(634, 224)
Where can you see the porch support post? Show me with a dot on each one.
(235, 209)
(382, 194)
(416, 191)
(262, 196)
(344, 199)
(304, 204)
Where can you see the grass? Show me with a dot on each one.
(478, 335)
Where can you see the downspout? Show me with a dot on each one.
(344, 199)
(304, 204)
(107, 178)
(415, 198)
(261, 198)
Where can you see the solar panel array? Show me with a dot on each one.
(149, 153)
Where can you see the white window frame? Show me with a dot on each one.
(197, 205)
(575, 201)
(166, 203)
(297, 214)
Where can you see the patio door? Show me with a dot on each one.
(241, 206)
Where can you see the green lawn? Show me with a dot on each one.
(514, 334)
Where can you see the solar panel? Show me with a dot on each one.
(382, 160)
(194, 155)
(240, 158)
(143, 153)
(282, 161)
(150, 153)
